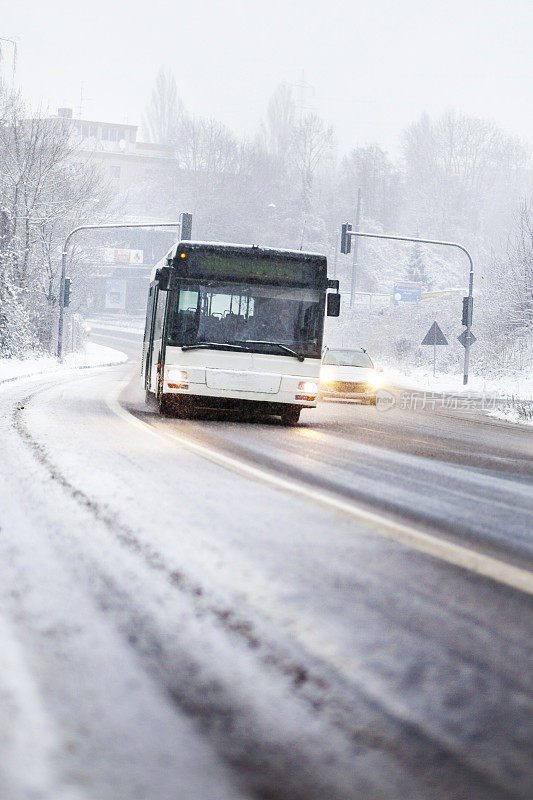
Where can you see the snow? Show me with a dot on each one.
(512, 413)
(509, 398)
(94, 355)
(516, 385)
(125, 323)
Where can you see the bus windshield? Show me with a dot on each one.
(347, 358)
(258, 317)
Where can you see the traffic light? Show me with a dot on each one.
(186, 225)
(66, 293)
(468, 307)
(346, 239)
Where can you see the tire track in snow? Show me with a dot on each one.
(311, 684)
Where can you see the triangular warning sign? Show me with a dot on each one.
(434, 336)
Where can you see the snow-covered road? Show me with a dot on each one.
(178, 623)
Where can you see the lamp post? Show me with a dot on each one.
(184, 225)
(347, 232)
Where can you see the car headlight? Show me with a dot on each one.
(177, 375)
(308, 387)
(376, 380)
(326, 375)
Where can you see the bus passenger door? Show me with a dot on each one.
(156, 348)
(148, 344)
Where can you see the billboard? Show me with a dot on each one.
(115, 256)
(115, 294)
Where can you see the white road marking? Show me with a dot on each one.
(454, 554)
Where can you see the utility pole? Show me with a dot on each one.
(301, 88)
(355, 245)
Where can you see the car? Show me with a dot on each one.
(349, 374)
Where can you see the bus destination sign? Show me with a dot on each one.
(290, 270)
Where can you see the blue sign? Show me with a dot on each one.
(406, 292)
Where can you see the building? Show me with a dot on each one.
(125, 161)
(120, 278)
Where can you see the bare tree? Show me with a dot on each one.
(42, 193)
(312, 139)
(515, 275)
(165, 111)
(370, 169)
(456, 168)
(277, 131)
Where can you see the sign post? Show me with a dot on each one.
(434, 336)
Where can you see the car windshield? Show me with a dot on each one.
(347, 358)
(261, 318)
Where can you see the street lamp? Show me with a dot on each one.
(184, 225)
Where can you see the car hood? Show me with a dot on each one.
(352, 374)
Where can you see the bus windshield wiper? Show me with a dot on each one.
(216, 345)
(299, 356)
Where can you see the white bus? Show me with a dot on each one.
(232, 326)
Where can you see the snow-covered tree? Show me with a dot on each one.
(416, 266)
(42, 195)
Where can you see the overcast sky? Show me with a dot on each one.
(372, 66)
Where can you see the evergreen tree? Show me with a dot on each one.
(416, 267)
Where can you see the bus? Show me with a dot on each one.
(235, 326)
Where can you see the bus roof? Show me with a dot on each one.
(246, 251)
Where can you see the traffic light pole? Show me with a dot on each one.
(347, 232)
(184, 225)
(354, 260)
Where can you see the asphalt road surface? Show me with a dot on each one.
(219, 608)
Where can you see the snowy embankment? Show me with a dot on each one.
(128, 323)
(94, 355)
(509, 397)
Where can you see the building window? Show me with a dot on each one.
(114, 172)
(88, 131)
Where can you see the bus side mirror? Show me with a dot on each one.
(333, 305)
(162, 277)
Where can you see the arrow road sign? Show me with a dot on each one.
(467, 337)
(434, 336)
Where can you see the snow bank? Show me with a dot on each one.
(514, 412)
(517, 385)
(94, 355)
(509, 398)
(127, 323)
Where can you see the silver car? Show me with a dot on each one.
(349, 374)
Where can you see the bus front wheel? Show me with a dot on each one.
(290, 416)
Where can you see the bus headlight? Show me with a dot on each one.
(176, 375)
(308, 387)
